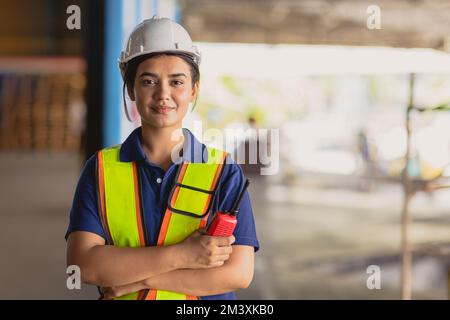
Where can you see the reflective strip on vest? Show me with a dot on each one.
(121, 212)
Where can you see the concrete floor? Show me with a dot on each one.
(316, 242)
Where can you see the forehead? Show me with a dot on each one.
(164, 64)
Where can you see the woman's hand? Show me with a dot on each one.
(109, 293)
(200, 251)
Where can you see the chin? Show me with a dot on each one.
(161, 123)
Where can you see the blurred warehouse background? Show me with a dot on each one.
(362, 113)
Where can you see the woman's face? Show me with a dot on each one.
(163, 90)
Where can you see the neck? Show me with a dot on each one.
(159, 143)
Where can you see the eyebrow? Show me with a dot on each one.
(173, 75)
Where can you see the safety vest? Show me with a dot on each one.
(120, 206)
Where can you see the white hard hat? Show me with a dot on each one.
(157, 35)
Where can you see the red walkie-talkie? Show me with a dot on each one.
(223, 223)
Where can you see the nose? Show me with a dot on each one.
(162, 92)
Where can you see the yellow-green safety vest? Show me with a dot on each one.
(189, 203)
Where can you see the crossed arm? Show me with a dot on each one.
(188, 267)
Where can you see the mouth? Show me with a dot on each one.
(162, 109)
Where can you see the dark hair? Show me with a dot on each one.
(132, 66)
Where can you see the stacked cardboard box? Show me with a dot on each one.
(41, 111)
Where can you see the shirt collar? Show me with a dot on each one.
(132, 150)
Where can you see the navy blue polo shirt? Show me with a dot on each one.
(156, 186)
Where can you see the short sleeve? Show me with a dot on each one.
(231, 185)
(84, 213)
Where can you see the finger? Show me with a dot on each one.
(221, 258)
(229, 240)
(222, 241)
(224, 257)
(224, 250)
(217, 264)
(106, 296)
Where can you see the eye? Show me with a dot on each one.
(148, 82)
(177, 82)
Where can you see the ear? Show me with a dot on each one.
(194, 91)
(130, 92)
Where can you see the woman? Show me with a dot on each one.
(130, 231)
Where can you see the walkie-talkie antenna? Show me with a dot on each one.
(235, 209)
